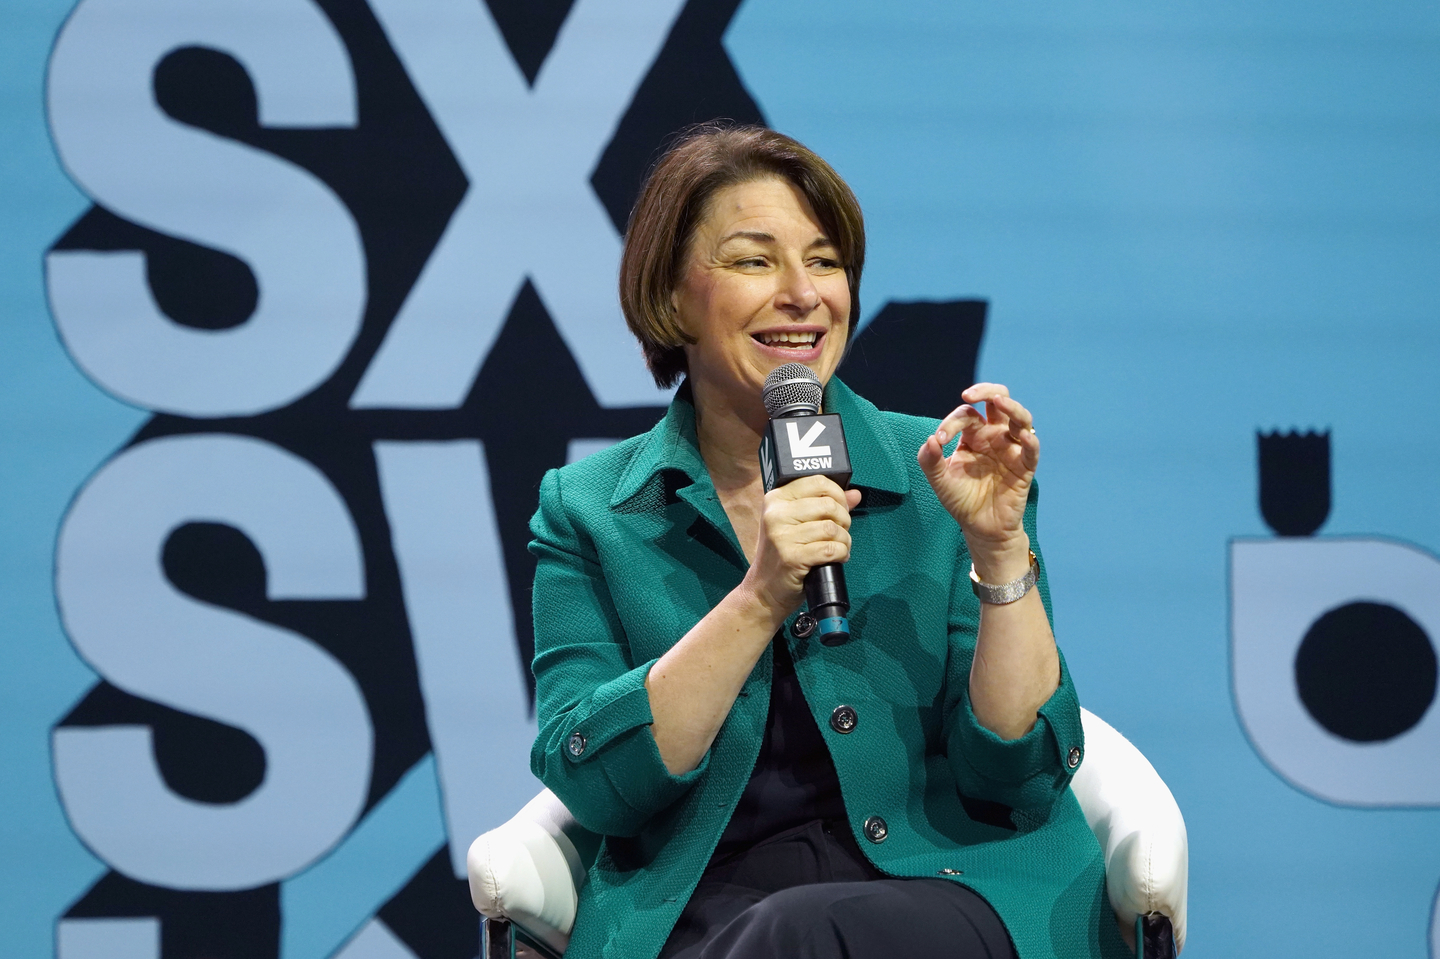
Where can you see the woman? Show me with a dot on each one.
(761, 794)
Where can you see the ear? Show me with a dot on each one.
(679, 317)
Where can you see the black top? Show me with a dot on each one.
(794, 779)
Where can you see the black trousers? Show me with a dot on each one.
(810, 893)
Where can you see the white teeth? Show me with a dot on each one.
(777, 337)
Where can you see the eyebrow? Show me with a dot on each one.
(761, 237)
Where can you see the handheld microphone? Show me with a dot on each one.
(801, 441)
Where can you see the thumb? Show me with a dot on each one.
(931, 457)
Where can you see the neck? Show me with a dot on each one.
(729, 433)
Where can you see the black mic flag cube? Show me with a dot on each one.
(805, 445)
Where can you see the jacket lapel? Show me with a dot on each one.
(669, 460)
(875, 458)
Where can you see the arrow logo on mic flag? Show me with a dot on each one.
(800, 445)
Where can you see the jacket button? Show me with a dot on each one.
(1073, 759)
(576, 745)
(843, 719)
(804, 626)
(875, 829)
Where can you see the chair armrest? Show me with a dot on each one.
(528, 871)
(1139, 826)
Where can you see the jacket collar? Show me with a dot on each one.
(876, 458)
(672, 445)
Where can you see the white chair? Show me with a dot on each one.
(524, 874)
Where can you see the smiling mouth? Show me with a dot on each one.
(784, 340)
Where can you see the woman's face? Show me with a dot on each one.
(762, 286)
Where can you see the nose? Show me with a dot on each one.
(797, 295)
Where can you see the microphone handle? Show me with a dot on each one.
(825, 593)
(829, 601)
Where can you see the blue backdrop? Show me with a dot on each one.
(1192, 222)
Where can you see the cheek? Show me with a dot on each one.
(692, 303)
(838, 297)
(731, 301)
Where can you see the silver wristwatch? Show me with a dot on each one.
(1000, 595)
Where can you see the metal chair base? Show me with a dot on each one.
(500, 939)
(1154, 937)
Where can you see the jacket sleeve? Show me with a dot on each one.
(595, 750)
(1028, 774)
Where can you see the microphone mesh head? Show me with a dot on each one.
(791, 389)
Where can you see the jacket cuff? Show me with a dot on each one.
(615, 733)
(639, 776)
(1046, 756)
(616, 707)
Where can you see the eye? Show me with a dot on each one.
(825, 263)
(757, 262)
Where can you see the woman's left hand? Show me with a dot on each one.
(984, 483)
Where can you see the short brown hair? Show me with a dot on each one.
(703, 160)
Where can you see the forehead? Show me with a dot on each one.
(770, 204)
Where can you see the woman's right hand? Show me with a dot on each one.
(803, 524)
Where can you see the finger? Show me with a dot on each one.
(960, 419)
(821, 531)
(811, 509)
(987, 393)
(818, 553)
(981, 391)
(931, 456)
(1031, 445)
(828, 552)
(852, 498)
(1021, 422)
(807, 486)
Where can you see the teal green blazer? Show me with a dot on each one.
(634, 548)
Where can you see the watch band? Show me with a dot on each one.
(1004, 593)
